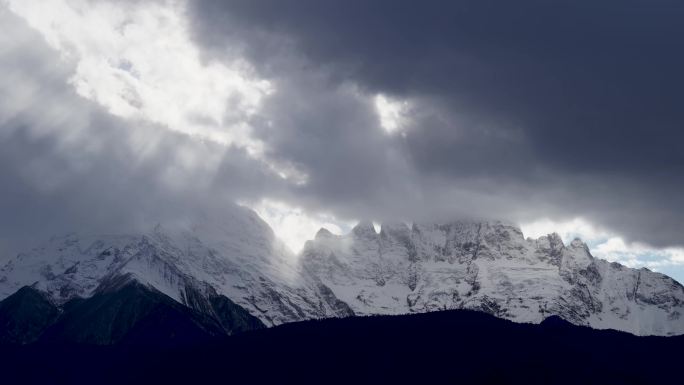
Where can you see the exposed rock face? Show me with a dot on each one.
(489, 266)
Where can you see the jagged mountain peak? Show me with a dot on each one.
(480, 265)
(394, 228)
(365, 229)
(490, 266)
(577, 243)
(552, 240)
(324, 233)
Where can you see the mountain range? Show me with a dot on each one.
(217, 275)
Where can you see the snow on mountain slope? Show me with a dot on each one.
(486, 266)
(489, 266)
(236, 255)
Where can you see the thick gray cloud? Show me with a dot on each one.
(519, 109)
(68, 165)
(516, 111)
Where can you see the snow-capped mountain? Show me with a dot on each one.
(236, 256)
(489, 266)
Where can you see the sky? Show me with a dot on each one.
(320, 113)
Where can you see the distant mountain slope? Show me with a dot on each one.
(489, 266)
(25, 315)
(124, 312)
(128, 312)
(449, 347)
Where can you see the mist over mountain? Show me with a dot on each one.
(228, 272)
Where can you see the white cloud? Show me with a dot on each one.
(568, 230)
(136, 59)
(295, 226)
(392, 113)
(637, 254)
(608, 245)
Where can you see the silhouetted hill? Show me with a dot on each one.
(451, 347)
(125, 312)
(25, 315)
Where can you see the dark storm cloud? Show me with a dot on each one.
(68, 165)
(521, 109)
